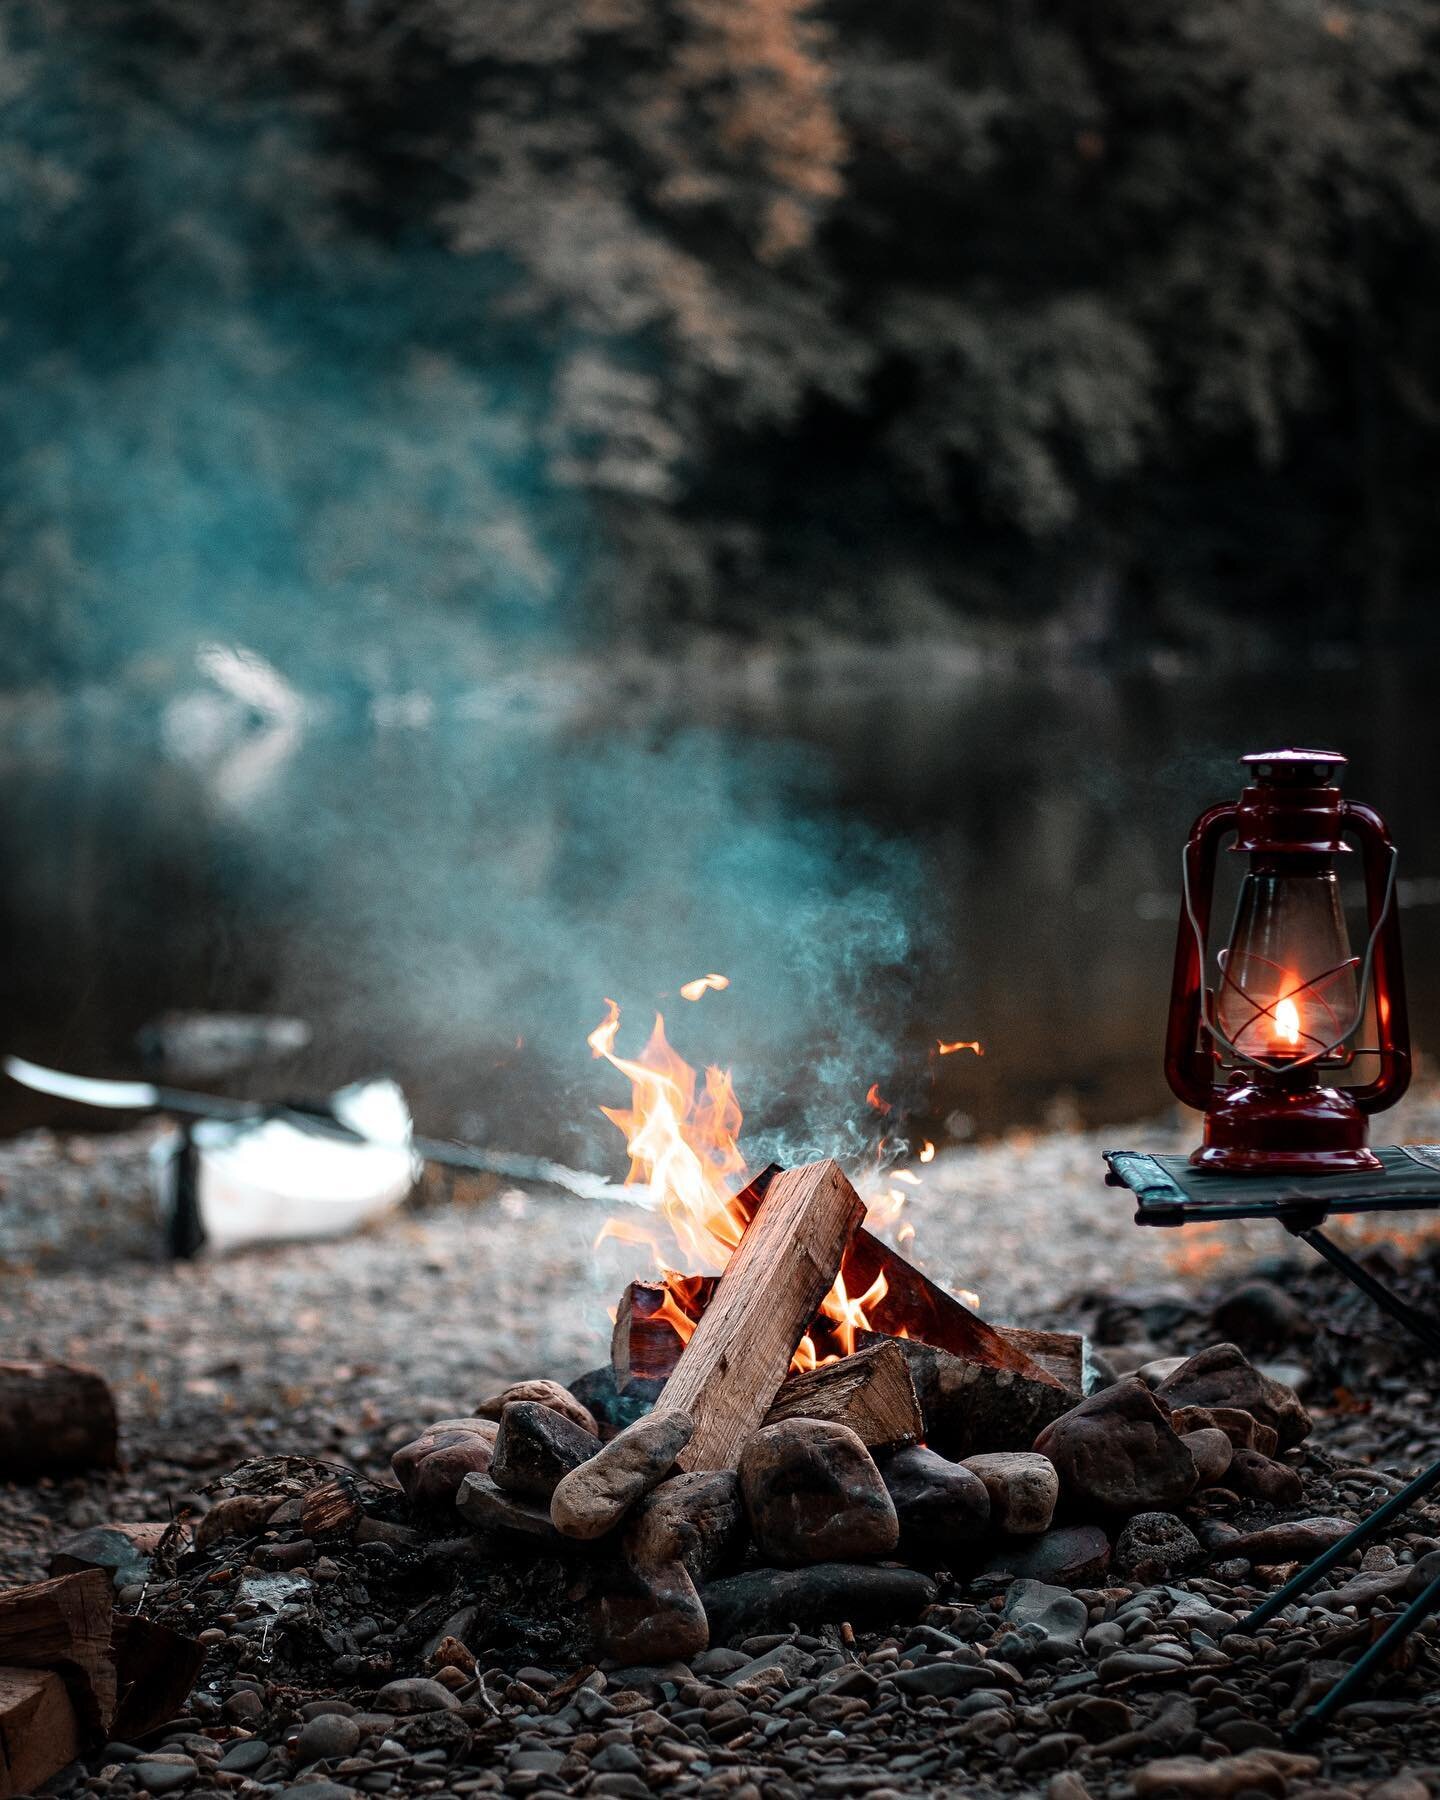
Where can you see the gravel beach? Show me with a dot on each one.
(341, 1352)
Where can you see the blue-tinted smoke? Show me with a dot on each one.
(231, 418)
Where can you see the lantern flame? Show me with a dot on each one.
(1287, 1023)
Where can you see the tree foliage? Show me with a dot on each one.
(874, 314)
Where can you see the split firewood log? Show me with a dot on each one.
(784, 1265)
(39, 1730)
(65, 1625)
(155, 1670)
(971, 1405)
(871, 1392)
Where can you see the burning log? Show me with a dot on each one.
(925, 1311)
(871, 1392)
(786, 1262)
(655, 1318)
(646, 1342)
(55, 1419)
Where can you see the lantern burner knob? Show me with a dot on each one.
(1295, 768)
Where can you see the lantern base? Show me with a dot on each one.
(1267, 1128)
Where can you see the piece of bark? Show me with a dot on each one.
(969, 1405)
(155, 1670)
(872, 1392)
(55, 1418)
(65, 1625)
(331, 1510)
(39, 1732)
(778, 1274)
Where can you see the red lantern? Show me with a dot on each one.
(1257, 1037)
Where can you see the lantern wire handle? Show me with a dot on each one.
(1210, 1023)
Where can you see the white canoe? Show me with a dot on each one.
(270, 1181)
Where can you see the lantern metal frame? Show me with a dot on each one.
(1275, 1114)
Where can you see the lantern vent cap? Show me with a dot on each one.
(1295, 768)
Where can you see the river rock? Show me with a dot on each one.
(328, 1735)
(813, 1493)
(1261, 1316)
(1218, 1777)
(1023, 1488)
(432, 1467)
(547, 1393)
(1116, 1453)
(696, 1519)
(1243, 1429)
(593, 1499)
(1153, 1545)
(647, 1615)
(1054, 1612)
(489, 1508)
(1298, 1539)
(1067, 1555)
(1368, 1588)
(1212, 1452)
(763, 1600)
(123, 1551)
(943, 1507)
(1259, 1477)
(1224, 1376)
(236, 1515)
(414, 1694)
(536, 1447)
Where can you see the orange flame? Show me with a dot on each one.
(927, 1152)
(692, 990)
(684, 1146)
(1286, 1027)
(959, 1044)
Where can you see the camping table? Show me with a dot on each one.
(1170, 1192)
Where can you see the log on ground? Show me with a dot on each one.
(55, 1419)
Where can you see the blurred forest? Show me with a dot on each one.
(633, 316)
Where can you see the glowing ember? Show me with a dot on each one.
(703, 984)
(959, 1044)
(927, 1152)
(872, 1098)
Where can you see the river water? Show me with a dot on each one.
(882, 852)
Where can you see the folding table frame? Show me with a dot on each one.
(1169, 1193)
